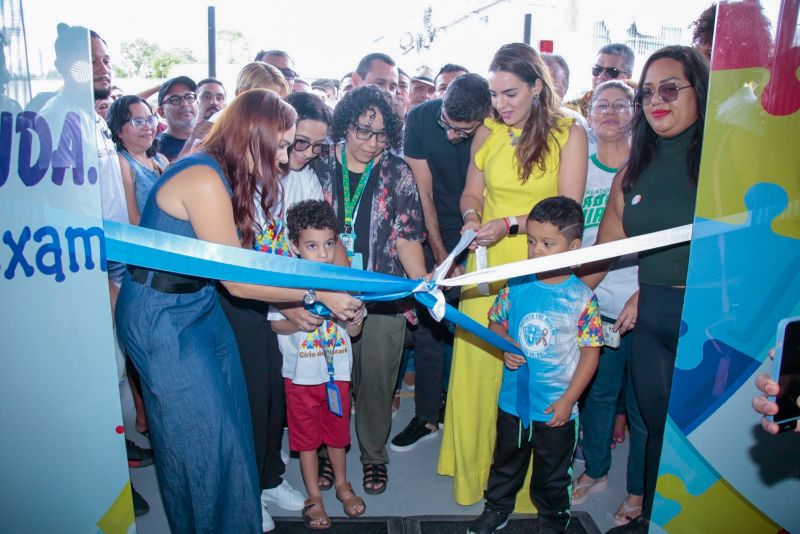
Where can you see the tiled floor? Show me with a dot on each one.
(414, 487)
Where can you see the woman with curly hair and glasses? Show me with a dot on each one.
(525, 152)
(379, 218)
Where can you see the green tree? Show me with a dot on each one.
(164, 60)
(137, 57)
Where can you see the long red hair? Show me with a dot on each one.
(244, 141)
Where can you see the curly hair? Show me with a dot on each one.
(119, 114)
(703, 26)
(309, 214)
(357, 102)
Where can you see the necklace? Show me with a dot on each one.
(514, 137)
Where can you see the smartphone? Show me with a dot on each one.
(610, 335)
(786, 372)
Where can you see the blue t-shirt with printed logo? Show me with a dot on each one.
(550, 322)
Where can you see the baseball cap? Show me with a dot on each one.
(166, 86)
(423, 74)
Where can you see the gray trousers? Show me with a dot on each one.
(376, 361)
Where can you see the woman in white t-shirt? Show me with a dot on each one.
(610, 112)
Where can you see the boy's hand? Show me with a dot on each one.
(359, 315)
(561, 410)
(513, 361)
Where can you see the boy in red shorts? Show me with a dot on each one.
(316, 371)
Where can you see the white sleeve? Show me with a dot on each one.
(274, 314)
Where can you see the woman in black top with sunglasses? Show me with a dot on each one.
(656, 190)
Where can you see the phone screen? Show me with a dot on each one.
(789, 376)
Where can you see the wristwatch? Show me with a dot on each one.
(310, 298)
(513, 226)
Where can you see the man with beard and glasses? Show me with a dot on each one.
(69, 48)
(177, 104)
(437, 148)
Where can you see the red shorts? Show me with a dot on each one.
(310, 421)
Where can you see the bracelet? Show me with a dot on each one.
(471, 210)
(508, 226)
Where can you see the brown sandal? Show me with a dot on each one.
(313, 511)
(348, 503)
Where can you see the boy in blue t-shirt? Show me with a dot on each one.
(553, 317)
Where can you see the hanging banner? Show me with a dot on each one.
(720, 471)
(63, 466)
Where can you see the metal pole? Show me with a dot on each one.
(526, 36)
(212, 43)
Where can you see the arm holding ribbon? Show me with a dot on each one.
(197, 195)
(611, 229)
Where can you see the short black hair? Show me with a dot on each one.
(563, 213)
(313, 214)
(278, 53)
(210, 80)
(621, 50)
(356, 102)
(467, 98)
(450, 67)
(310, 107)
(363, 66)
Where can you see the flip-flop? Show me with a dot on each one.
(625, 514)
(595, 486)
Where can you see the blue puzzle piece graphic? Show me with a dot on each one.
(729, 320)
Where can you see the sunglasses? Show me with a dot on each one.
(668, 92)
(177, 100)
(301, 145)
(462, 134)
(289, 74)
(365, 134)
(139, 122)
(612, 72)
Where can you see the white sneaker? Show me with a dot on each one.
(267, 524)
(285, 496)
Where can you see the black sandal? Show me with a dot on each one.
(325, 473)
(377, 476)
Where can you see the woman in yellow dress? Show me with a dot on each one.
(525, 152)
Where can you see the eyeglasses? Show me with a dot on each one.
(668, 92)
(617, 107)
(139, 122)
(462, 134)
(612, 72)
(288, 73)
(365, 134)
(177, 100)
(301, 145)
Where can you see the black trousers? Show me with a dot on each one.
(552, 450)
(430, 338)
(655, 346)
(261, 362)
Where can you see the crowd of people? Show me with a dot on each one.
(382, 171)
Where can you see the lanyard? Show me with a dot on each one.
(328, 344)
(351, 203)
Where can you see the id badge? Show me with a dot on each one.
(357, 261)
(334, 400)
(348, 241)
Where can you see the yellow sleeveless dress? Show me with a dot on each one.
(469, 426)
